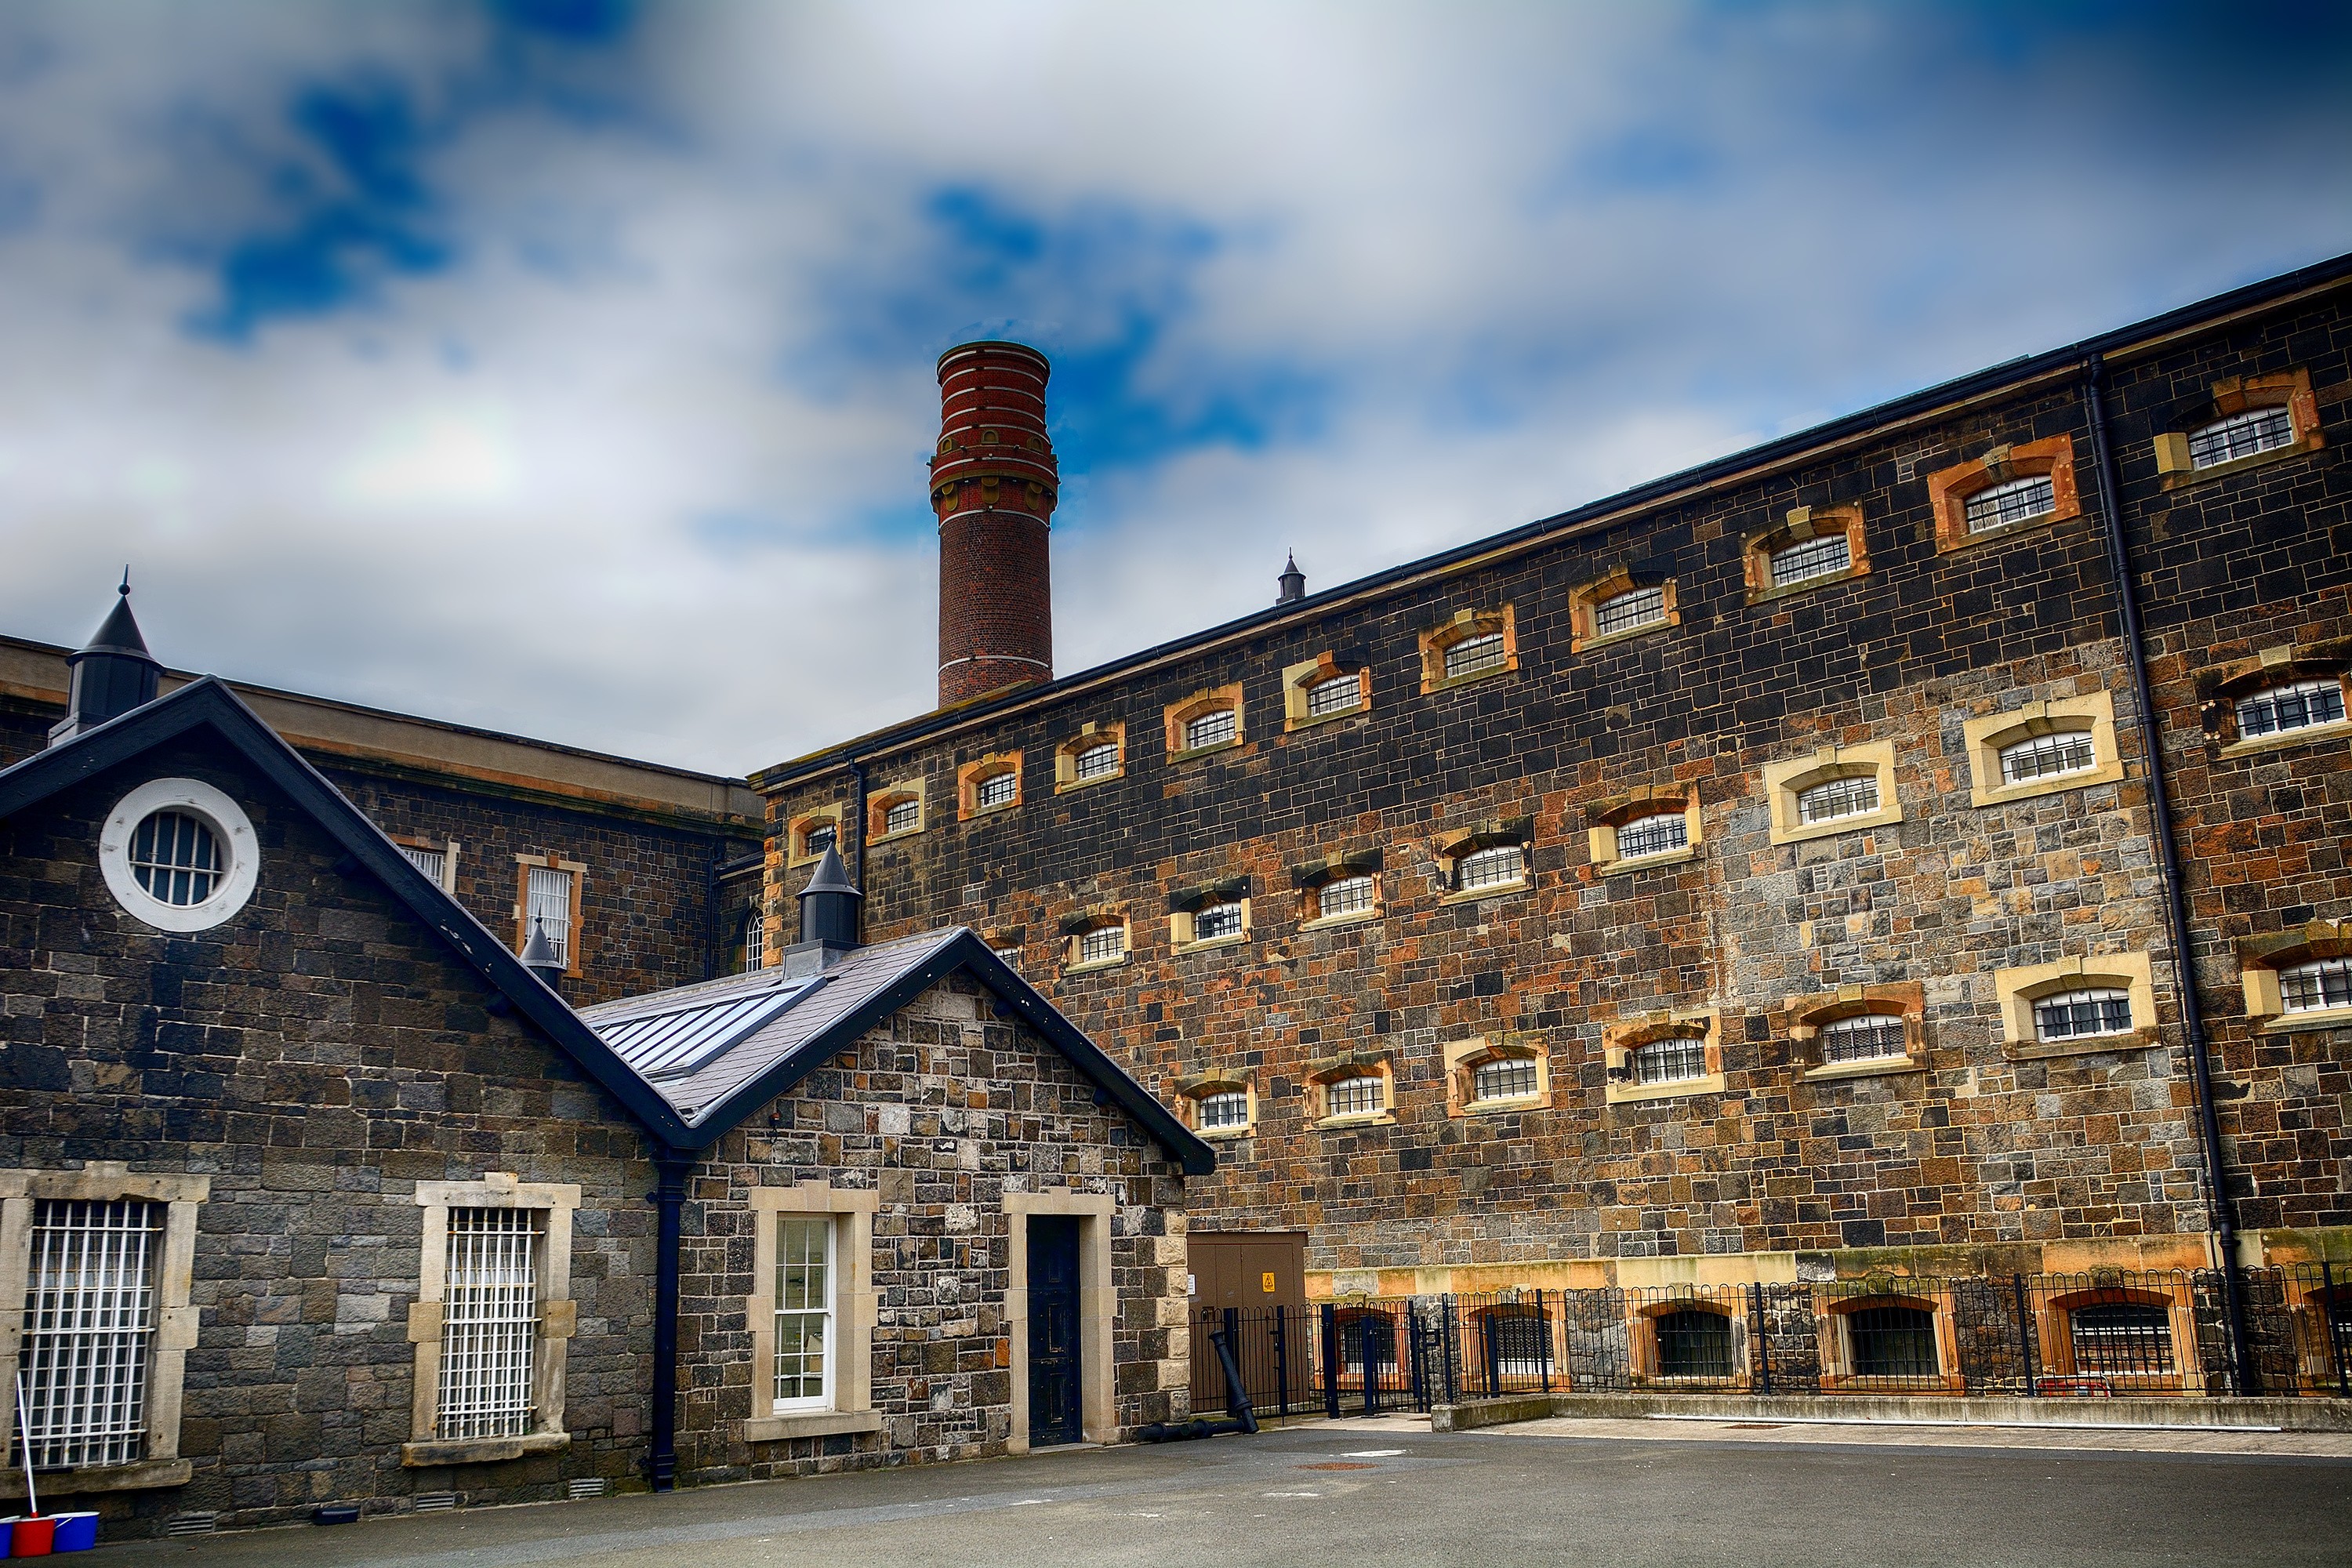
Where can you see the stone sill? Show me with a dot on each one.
(2335, 731)
(1360, 1119)
(1829, 1072)
(2297, 1023)
(1197, 753)
(1215, 942)
(1789, 590)
(1884, 816)
(881, 838)
(1096, 966)
(810, 1424)
(1070, 786)
(1478, 895)
(1515, 1103)
(147, 1474)
(1587, 645)
(2006, 531)
(2184, 478)
(1224, 1134)
(435, 1451)
(1647, 862)
(1333, 922)
(2009, 795)
(1620, 1094)
(2039, 1050)
(1308, 722)
(1448, 682)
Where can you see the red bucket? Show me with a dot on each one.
(32, 1537)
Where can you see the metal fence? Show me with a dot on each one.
(2102, 1334)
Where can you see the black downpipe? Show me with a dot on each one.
(858, 820)
(2221, 1210)
(668, 1198)
(1237, 1402)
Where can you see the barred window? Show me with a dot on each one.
(902, 815)
(755, 942)
(2015, 501)
(997, 789)
(1658, 834)
(88, 1329)
(2075, 1014)
(1810, 558)
(1871, 1036)
(548, 900)
(1674, 1059)
(1511, 1079)
(820, 837)
(2299, 706)
(1097, 761)
(434, 863)
(1227, 1108)
(1497, 866)
(1211, 729)
(1892, 1341)
(2240, 435)
(803, 1312)
(1011, 956)
(1343, 896)
(489, 1323)
(1838, 797)
(2317, 986)
(1633, 608)
(2048, 756)
(1102, 943)
(1212, 921)
(1693, 1342)
(2121, 1337)
(1471, 654)
(1357, 1096)
(176, 858)
(1340, 694)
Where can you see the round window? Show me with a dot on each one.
(179, 855)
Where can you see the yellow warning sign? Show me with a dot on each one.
(1266, 1282)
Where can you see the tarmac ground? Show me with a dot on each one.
(1628, 1494)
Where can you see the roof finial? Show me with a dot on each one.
(1292, 581)
(125, 589)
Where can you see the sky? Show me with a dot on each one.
(565, 367)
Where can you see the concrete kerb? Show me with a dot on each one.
(2282, 1415)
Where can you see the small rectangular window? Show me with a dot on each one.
(1211, 729)
(820, 837)
(1499, 866)
(2240, 435)
(2075, 1014)
(1344, 896)
(434, 863)
(1342, 694)
(1670, 1060)
(1872, 1036)
(902, 816)
(1510, 1080)
(1810, 558)
(1215, 920)
(1659, 835)
(489, 1323)
(1099, 761)
(1354, 1096)
(2317, 986)
(803, 1312)
(1229, 1107)
(1102, 943)
(549, 904)
(1011, 956)
(2299, 706)
(2015, 501)
(2048, 756)
(1625, 612)
(1471, 654)
(997, 789)
(1837, 798)
(88, 1327)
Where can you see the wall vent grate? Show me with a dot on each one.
(438, 1502)
(192, 1525)
(588, 1486)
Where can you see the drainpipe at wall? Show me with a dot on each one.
(2221, 1210)
(858, 816)
(668, 1198)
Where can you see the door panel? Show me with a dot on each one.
(1055, 1412)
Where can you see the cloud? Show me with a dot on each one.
(564, 367)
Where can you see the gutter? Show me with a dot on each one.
(2221, 1210)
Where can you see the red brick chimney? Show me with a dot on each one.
(994, 485)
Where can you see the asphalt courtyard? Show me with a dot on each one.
(1619, 1493)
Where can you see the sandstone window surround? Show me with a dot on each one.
(1663, 1056)
(1218, 1104)
(991, 784)
(894, 811)
(2289, 695)
(1836, 772)
(170, 1329)
(1859, 1031)
(1811, 547)
(1096, 754)
(553, 1203)
(1094, 939)
(811, 834)
(1486, 860)
(2320, 1311)
(1098, 1307)
(1210, 915)
(1205, 724)
(2135, 1338)
(436, 858)
(1619, 607)
(1323, 689)
(1354, 1089)
(1949, 492)
(1870, 1340)
(2249, 422)
(2299, 980)
(2044, 747)
(550, 888)
(1457, 651)
(1643, 821)
(847, 1404)
(1339, 891)
(1496, 1074)
(2019, 991)
(1688, 1340)
(179, 855)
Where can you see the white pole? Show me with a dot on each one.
(24, 1451)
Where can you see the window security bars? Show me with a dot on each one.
(804, 1311)
(1659, 835)
(819, 838)
(1670, 1060)
(1471, 654)
(755, 942)
(1625, 612)
(1212, 729)
(1214, 921)
(176, 858)
(1354, 1096)
(434, 863)
(2300, 705)
(1011, 956)
(1511, 1079)
(548, 900)
(489, 1323)
(1693, 1342)
(2075, 1014)
(2126, 1338)
(1341, 694)
(2317, 986)
(1892, 1341)
(1227, 1108)
(2047, 756)
(90, 1321)
(1837, 798)
(1097, 761)
(1496, 867)
(1869, 1037)
(995, 790)
(1102, 945)
(1823, 557)
(902, 816)
(2013, 502)
(1343, 896)
(2240, 435)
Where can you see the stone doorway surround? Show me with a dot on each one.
(1098, 1307)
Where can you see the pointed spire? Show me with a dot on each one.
(829, 904)
(539, 955)
(1292, 581)
(112, 673)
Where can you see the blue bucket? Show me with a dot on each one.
(77, 1532)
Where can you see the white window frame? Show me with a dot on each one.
(1679, 816)
(828, 1373)
(1337, 695)
(1379, 1096)
(1369, 909)
(1226, 720)
(2248, 419)
(1986, 514)
(1514, 1067)
(232, 831)
(891, 825)
(847, 1406)
(755, 942)
(2331, 685)
(557, 1313)
(1787, 783)
(2321, 970)
(1513, 851)
(994, 792)
(1645, 606)
(1223, 1095)
(1083, 771)
(1819, 547)
(443, 871)
(1877, 1026)
(2023, 991)
(1476, 654)
(2100, 996)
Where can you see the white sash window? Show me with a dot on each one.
(90, 1325)
(489, 1323)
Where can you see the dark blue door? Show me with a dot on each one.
(1054, 1409)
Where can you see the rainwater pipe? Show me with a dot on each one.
(668, 1198)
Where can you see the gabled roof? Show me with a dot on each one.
(208, 704)
(719, 1052)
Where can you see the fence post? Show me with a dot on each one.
(2328, 1327)
(2024, 1334)
(1281, 1361)
(1416, 1346)
(1371, 1362)
(1233, 1323)
(1543, 1344)
(1761, 1325)
(1330, 1361)
(1446, 1349)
